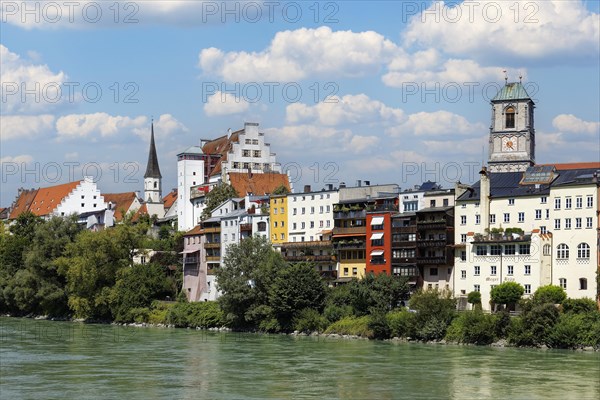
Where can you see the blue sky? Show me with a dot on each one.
(407, 81)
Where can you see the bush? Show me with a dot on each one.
(501, 324)
(507, 293)
(378, 324)
(435, 312)
(472, 327)
(519, 334)
(474, 298)
(358, 326)
(575, 330)
(549, 294)
(579, 306)
(309, 320)
(334, 312)
(201, 314)
(401, 323)
(138, 315)
(540, 321)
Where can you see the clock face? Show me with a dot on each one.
(509, 144)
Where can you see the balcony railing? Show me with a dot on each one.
(213, 259)
(431, 260)
(351, 245)
(312, 244)
(245, 227)
(191, 260)
(377, 262)
(432, 243)
(404, 229)
(212, 229)
(421, 225)
(213, 245)
(349, 214)
(496, 238)
(352, 230)
(321, 258)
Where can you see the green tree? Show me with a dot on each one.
(248, 271)
(507, 293)
(549, 294)
(434, 312)
(220, 193)
(296, 287)
(474, 298)
(281, 189)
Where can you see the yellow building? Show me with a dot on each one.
(278, 215)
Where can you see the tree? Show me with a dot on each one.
(507, 293)
(220, 193)
(296, 287)
(474, 298)
(549, 294)
(434, 312)
(248, 271)
(281, 189)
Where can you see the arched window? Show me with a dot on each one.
(583, 250)
(547, 250)
(582, 284)
(510, 117)
(562, 251)
(155, 185)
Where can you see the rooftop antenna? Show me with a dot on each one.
(520, 78)
(505, 76)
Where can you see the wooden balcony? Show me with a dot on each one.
(312, 258)
(432, 243)
(213, 229)
(213, 259)
(360, 214)
(213, 245)
(431, 260)
(308, 244)
(355, 230)
(245, 227)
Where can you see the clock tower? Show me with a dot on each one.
(512, 135)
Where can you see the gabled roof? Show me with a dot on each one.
(143, 210)
(512, 91)
(152, 169)
(170, 199)
(221, 146)
(197, 230)
(192, 150)
(257, 184)
(429, 186)
(44, 201)
(121, 203)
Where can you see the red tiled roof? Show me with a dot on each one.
(221, 146)
(169, 199)
(257, 184)
(578, 165)
(45, 200)
(197, 230)
(143, 210)
(122, 202)
(22, 203)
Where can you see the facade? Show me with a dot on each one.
(278, 216)
(318, 252)
(404, 248)
(309, 214)
(379, 243)
(435, 240)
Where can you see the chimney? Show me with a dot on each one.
(358, 183)
(250, 172)
(342, 185)
(203, 142)
(306, 188)
(484, 198)
(229, 133)
(329, 186)
(367, 183)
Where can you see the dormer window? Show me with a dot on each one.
(510, 118)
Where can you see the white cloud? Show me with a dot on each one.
(25, 126)
(572, 124)
(103, 124)
(499, 29)
(437, 123)
(165, 126)
(20, 159)
(295, 55)
(72, 156)
(20, 76)
(225, 104)
(349, 109)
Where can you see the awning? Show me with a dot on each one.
(377, 236)
(377, 253)
(377, 221)
(189, 251)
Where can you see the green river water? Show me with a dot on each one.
(65, 360)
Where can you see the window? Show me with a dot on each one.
(510, 270)
(495, 250)
(445, 202)
(525, 249)
(493, 270)
(492, 218)
(477, 205)
(583, 250)
(567, 203)
(509, 249)
(477, 219)
(281, 210)
(588, 222)
(543, 200)
(563, 283)
(303, 210)
(275, 224)
(275, 210)
(433, 271)
(557, 203)
(543, 229)
(511, 202)
(302, 225)
(328, 208)
(557, 224)
(577, 223)
(294, 211)
(233, 236)
(521, 217)
(261, 226)
(282, 236)
(578, 202)
(567, 223)
(547, 213)
(538, 214)
(463, 255)
(294, 226)
(431, 203)
(246, 165)
(562, 251)
(256, 153)
(547, 250)
(463, 238)
(245, 153)
(321, 210)
(312, 224)
(477, 270)
(463, 274)
(282, 224)
(590, 201)
(476, 288)
(312, 210)
(582, 284)
(481, 250)
(506, 217)
(463, 219)
(528, 270)
(527, 289)
(509, 118)
(82, 204)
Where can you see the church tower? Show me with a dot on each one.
(152, 177)
(512, 133)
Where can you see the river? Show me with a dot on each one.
(65, 360)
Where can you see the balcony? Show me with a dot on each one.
(377, 262)
(432, 243)
(212, 229)
(360, 214)
(356, 245)
(431, 260)
(212, 245)
(318, 258)
(496, 238)
(314, 243)
(404, 229)
(421, 225)
(213, 259)
(191, 260)
(355, 230)
(245, 227)
(405, 244)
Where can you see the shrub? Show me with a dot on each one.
(138, 315)
(206, 314)
(519, 334)
(474, 298)
(472, 327)
(358, 326)
(574, 330)
(434, 313)
(309, 320)
(549, 294)
(501, 324)
(507, 293)
(334, 312)
(379, 325)
(401, 323)
(579, 306)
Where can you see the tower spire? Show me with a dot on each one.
(152, 168)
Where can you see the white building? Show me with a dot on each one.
(310, 213)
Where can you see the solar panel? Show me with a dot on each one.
(543, 174)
